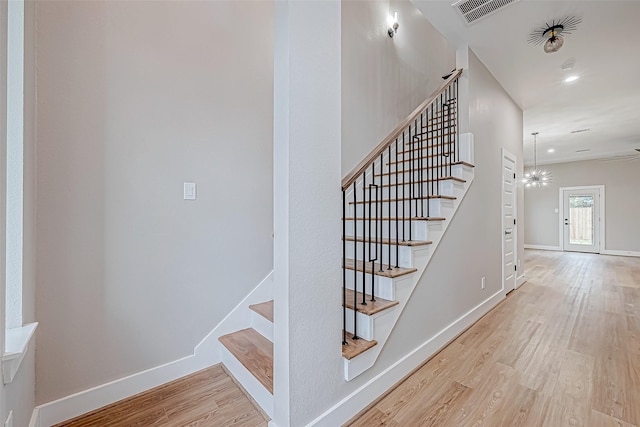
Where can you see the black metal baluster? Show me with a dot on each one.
(410, 184)
(365, 219)
(344, 267)
(380, 222)
(397, 211)
(389, 209)
(457, 122)
(403, 183)
(355, 261)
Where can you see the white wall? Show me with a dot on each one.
(307, 202)
(135, 98)
(385, 78)
(18, 396)
(620, 176)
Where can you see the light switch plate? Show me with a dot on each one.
(189, 191)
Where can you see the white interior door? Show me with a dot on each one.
(581, 219)
(509, 250)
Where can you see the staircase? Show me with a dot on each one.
(397, 205)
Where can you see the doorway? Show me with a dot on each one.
(581, 218)
(509, 229)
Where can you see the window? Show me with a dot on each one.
(15, 162)
(17, 335)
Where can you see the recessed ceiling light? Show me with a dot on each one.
(571, 79)
(551, 150)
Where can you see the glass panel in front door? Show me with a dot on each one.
(581, 220)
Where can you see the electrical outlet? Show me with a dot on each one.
(482, 283)
(9, 422)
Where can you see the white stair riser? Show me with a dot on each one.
(367, 253)
(384, 286)
(260, 394)
(419, 229)
(262, 325)
(405, 208)
(393, 192)
(366, 324)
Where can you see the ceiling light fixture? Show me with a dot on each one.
(393, 24)
(536, 178)
(571, 79)
(552, 35)
(551, 150)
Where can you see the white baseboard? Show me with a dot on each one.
(620, 253)
(364, 395)
(206, 354)
(35, 418)
(521, 280)
(543, 247)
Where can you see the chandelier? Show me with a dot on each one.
(536, 178)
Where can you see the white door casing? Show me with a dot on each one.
(509, 229)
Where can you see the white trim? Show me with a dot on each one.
(543, 247)
(620, 253)
(514, 230)
(16, 346)
(364, 395)
(601, 219)
(35, 418)
(521, 280)
(206, 353)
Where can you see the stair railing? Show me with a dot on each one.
(385, 193)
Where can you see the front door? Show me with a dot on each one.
(581, 219)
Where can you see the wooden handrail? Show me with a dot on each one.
(351, 177)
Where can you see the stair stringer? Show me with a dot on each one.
(420, 258)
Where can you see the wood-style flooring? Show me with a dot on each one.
(205, 399)
(561, 350)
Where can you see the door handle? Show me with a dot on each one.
(507, 232)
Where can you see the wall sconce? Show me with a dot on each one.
(393, 24)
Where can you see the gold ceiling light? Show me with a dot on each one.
(552, 35)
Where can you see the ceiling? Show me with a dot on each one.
(606, 50)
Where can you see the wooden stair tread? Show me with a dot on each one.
(426, 218)
(356, 347)
(254, 351)
(359, 202)
(390, 241)
(386, 272)
(372, 307)
(264, 309)
(444, 165)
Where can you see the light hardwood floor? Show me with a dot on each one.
(561, 350)
(205, 399)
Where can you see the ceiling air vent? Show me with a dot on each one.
(474, 10)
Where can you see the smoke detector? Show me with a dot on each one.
(474, 10)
